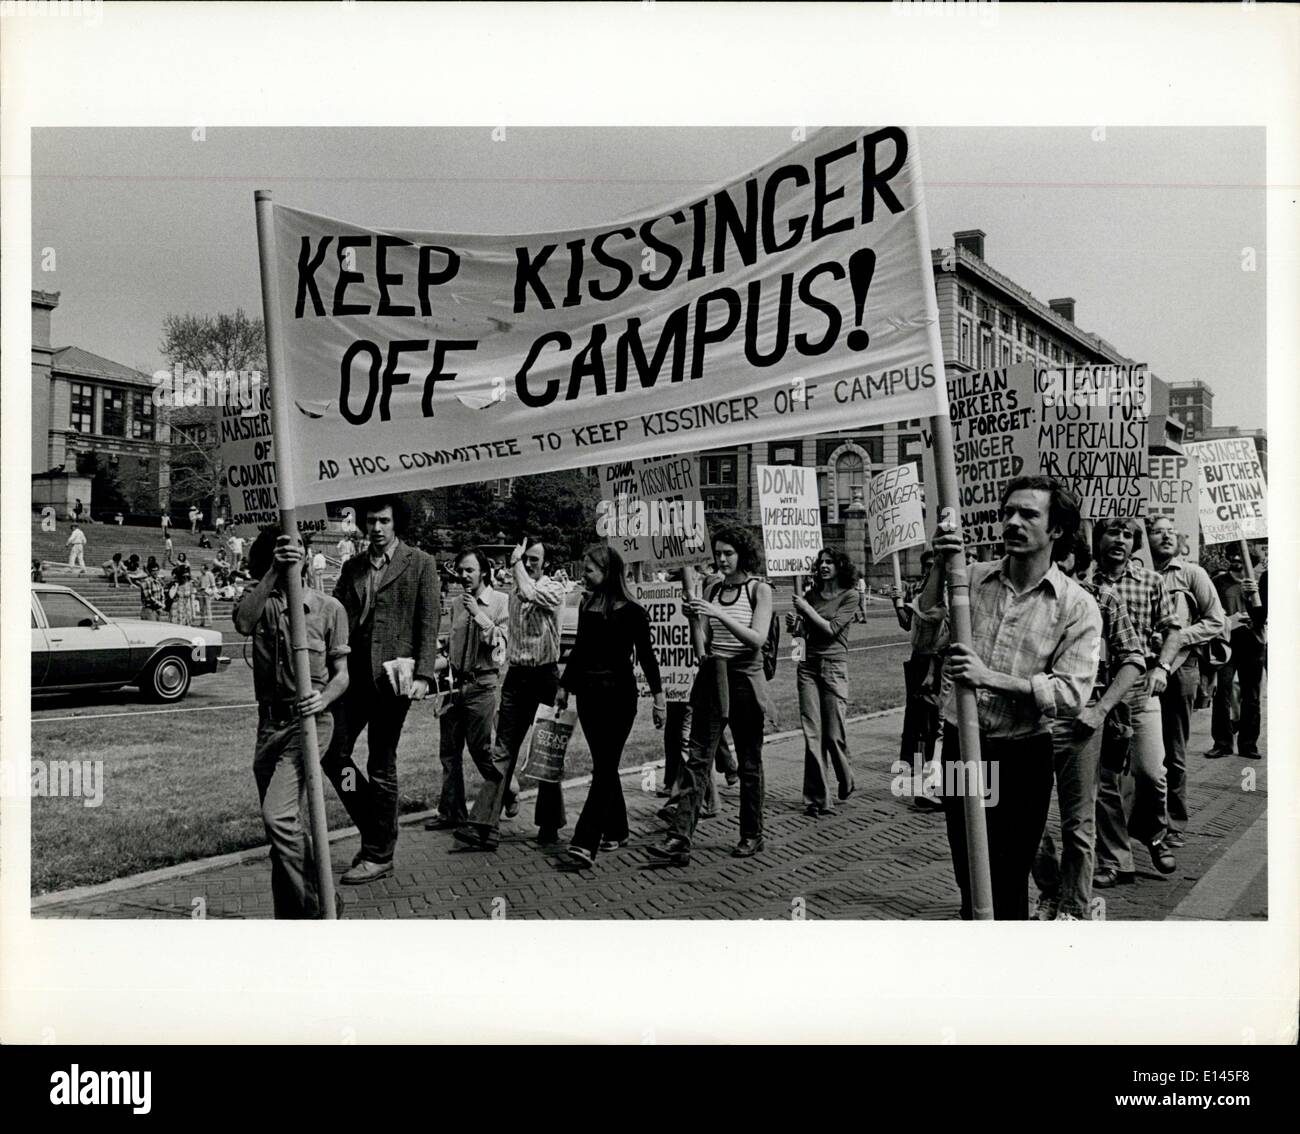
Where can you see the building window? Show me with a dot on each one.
(1031, 340)
(909, 447)
(985, 314)
(875, 447)
(1006, 353)
(113, 421)
(718, 470)
(142, 420)
(964, 299)
(784, 453)
(1069, 359)
(82, 418)
(1020, 354)
(963, 350)
(986, 350)
(1020, 332)
(1056, 354)
(850, 473)
(1004, 321)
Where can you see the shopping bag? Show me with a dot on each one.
(548, 742)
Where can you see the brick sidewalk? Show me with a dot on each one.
(876, 857)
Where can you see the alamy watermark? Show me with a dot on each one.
(236, 389)
(62, 779)
(955, 778)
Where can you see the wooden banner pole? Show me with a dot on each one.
(282, 444)
(959, 624)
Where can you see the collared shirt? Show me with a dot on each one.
(1150, 605)
(1195, 580)
(1049, 635)
(1123, 646)
(375, 576)
(327, 639)
(77, 537)
(478, 643)
(153, 592)
(534, 627)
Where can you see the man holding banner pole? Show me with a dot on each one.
(293, 579)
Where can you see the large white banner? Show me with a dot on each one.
(1233, 494)
(792, 519)
(790, 301)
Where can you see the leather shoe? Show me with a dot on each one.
(1218, 752)
(548, 836)
(472, 836)
(747, 848)
(1108, 876)
(441, 823)
(1250, 754)
(580, 856)
(1161, 857)
(511, 809)
(845, 794)
(366, 871)
(672, 851)
(1174, 839)
(608, 845)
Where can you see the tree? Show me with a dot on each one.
(106, 493)
(226, 344)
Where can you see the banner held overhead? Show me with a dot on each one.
(789, 301)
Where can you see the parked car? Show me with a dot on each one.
(76, 647)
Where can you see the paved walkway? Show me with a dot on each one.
(876, 857)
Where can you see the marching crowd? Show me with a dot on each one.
(1084, 666)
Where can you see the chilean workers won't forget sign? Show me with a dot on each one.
(789, 301)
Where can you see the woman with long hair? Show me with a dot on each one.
(729, 627)
(822, 617)
(612, 627)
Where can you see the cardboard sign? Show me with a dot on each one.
(1233, 494)
(670, 633)
(995, 415)
(895, 511)
(1092, 435)
(249, 471)
(1175, 494)
(792, 519)
(790, 300)
(651, 511)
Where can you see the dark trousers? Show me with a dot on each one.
(746, 723)
(525, 688)
(606, 710)
(1018, 794)
(920, 716)
(1176, 707)
(1248, 665)
(466, 720)
(371, 800)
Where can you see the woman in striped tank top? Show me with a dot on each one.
(729, 628)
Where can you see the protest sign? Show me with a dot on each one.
(792, 300)
(249, 471)
(1232, 490)
(670, 634)
(651, 512)
(1092, 435)
(1174, 494)
(995, 415)
(792, 519)
(895, 515)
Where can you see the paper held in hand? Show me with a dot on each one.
(401, 673)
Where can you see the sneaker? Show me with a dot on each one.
(747, 848)
(673, 851)
(1048, 906)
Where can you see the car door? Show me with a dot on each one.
(40, 648)
(84, 649)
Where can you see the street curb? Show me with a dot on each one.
(235, 858)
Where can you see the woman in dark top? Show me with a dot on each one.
(823, 616)
(611, 627)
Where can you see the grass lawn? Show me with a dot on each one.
(179, 786)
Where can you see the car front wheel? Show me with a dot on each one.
(167, 679)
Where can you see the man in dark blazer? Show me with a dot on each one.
(391, 595)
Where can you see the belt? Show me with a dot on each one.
(278, 712)
(470, 674)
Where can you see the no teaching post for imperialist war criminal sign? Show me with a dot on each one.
(895, 514)
(670, 633)
(789, 301)
(792, 518)
(651, 511)
(248, 461)
(1233, 494)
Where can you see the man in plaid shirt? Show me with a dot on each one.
(1032, 661)
(1134, 803)
(153, 593)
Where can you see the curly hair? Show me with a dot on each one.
(401, 511)
(749, 555)
(845, 573)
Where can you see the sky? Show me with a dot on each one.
(1147, 228)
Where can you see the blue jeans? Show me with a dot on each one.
(823, 685)
(282, 789)
(1134, 803)
(1077, 760)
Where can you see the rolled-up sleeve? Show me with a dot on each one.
(1064, 691)
(1212, 621)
